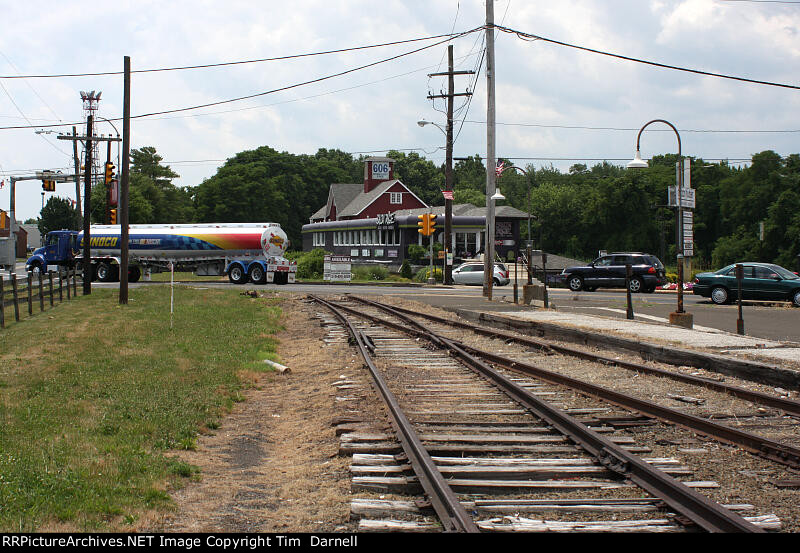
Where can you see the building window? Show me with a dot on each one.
(395, 197)
(319, 239)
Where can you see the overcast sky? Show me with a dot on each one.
(555, 104)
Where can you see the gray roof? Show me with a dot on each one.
(468, 210)
(363, 200)
(340, 194)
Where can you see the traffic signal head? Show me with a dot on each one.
(426, 224)
(109, 172)
(49, 185)
(113, 216)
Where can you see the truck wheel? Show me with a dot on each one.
(281, 278)
(133, 274)
(257, 275)
(103, 272)
(237, 275)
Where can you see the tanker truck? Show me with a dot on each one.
(246, 252)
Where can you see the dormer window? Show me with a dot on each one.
(395, 197)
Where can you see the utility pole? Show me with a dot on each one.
(90, 101)
(124, 181)
(448, 170)
(77, 169)
(491, 162)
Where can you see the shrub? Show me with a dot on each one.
(416, 253)
(371, 272)
(311, 264)
(423, 274)
(405, 270)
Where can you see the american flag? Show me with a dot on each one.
(448, 194)
(500, 168)
(2, 183)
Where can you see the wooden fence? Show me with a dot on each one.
(23, 292)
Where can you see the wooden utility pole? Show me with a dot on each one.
(448, 170)
(491, 162)
(77, 161)
(124, 182)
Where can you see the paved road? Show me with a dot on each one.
(780, 322)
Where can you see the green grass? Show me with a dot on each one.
(94, 396)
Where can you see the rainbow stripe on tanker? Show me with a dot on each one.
(177, 241)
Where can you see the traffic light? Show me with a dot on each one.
(426, 224)
(113, 216)
(4, 223)
(109, 172)
(49, 185)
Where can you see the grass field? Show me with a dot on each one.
(93, 396)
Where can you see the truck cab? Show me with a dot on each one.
(59, 248)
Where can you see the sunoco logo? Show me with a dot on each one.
(276, 240)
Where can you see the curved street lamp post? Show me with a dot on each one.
(679, 317)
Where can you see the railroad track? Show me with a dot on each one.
(481, 441)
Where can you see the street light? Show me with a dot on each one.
(447, 273)
(679, 317)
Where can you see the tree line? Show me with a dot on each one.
(742, 213)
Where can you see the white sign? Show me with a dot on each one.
(337, 267)
(687, 197)
(380, 170)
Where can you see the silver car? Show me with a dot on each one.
(472, 273)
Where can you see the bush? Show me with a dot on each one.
(416, 254)
(423, 274)
(372, 272)
(405, 270)
(311, 265)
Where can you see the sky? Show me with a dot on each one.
(556, 105)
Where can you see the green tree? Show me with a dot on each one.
(58, 214)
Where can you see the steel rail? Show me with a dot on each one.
(788, 406)
(758, 445)
(451, 512)
(702, 511)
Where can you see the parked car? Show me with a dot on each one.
(608, 271)
(472, 273)
(761, 281)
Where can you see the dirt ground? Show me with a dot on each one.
(272, 465)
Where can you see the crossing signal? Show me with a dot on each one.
(109, 172)
(426, 224)
(113, 216)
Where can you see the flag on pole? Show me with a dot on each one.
(500, 168)
(2, 183)
(448, 194)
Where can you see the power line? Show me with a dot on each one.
(273, 91)
(241, 62)
(628, 129)
(530, 36)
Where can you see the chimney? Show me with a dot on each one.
(376, 171)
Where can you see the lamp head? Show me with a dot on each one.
(422, 122)
(497, 195)
(638, 162)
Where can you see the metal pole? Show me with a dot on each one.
(491, 162)
(739, 277)
(628, 274)
(87, 209)
(122, 206)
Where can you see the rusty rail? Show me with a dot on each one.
(707, 514)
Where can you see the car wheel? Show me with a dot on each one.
(237, 275)
(635, 285)
(591, 288)
(649, 289)
(496, 282)
(575, 283)
(796, 298)
(257, 275)
(719, 295)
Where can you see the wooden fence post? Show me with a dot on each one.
(30, 294)
(60, 285)
(50, 277)
(41, 293)
(16, 296)
(2, 305)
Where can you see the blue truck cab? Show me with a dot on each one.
(60, 248)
